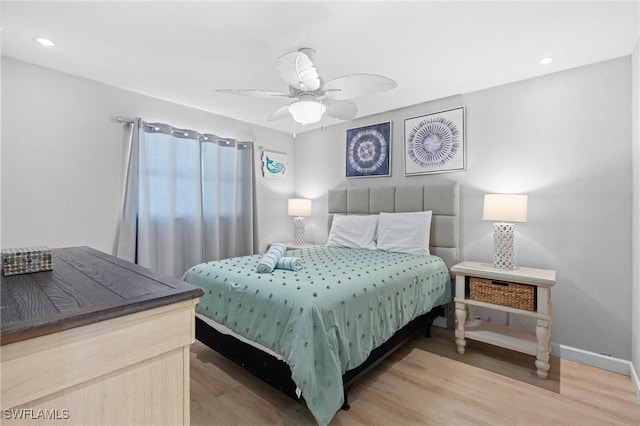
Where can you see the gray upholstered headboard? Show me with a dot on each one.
(442, 199)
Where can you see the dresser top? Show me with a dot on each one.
(85, 286)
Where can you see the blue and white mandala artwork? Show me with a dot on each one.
(435, 143)
(368, 150)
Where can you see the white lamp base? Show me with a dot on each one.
(298, 222)
(503, 243)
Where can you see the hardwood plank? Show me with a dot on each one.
(27, 297)
(406, 377)
(229, 377)
(156, 276)
(209, 410)
(251, 408)
(468, 391)
(422, 384)
(70, 290)
(509, 395)
(8, 307)
(488, 357)
(223, 383)
(120, 281)
(611, 398)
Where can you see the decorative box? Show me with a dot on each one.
(519, 296)
(25, 260)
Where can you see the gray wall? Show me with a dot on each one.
(63, 158)
(564, 139)
(635, 78)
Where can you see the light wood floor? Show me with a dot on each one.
(425, 383)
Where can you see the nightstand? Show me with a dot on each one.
(521, 291)
(293, 246)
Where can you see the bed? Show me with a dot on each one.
(313, 332)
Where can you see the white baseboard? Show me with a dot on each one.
(636, 382)
(593, 359)
(604, 362)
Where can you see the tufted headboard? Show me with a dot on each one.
(442, 199)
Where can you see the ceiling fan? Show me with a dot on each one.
(311, 97)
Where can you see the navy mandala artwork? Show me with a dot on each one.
(433, 142)
(368, 150)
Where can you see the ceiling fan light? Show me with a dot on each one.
(307, 112)
(45, 42)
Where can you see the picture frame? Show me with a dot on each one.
(368, 151)
(274, 164)
(435, 143)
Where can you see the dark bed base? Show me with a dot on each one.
(277, 372)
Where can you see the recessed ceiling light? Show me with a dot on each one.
(545, 61)
(45, 42)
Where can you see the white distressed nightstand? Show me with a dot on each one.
(293, 246)
(507, 337)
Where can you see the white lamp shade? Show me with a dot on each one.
(505, 207)
(299, 207)
(307, 111)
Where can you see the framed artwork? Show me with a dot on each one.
(369, 151)
(434, 143)
(274, 164)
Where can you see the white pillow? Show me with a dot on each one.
(353, 231)
(404, 232)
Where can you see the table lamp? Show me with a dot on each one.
(505, 208)
(299, 208)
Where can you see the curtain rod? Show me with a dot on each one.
(127, 121)
(221, 141)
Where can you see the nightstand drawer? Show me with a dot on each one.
(519, 296)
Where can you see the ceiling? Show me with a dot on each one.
(183, 51)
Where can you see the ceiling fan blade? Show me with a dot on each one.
(342, 110)
(280, 113)
(298, 71)
(256, 93)
(356, 85)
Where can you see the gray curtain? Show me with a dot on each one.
(188, 199)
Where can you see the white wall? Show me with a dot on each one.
(63, 158)
(563, 139)
(635, 129)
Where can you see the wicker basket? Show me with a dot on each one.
(519, 296)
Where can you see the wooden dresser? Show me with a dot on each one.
(95, 341)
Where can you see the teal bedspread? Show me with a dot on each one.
(326, 318)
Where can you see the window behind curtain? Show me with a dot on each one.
(189, 199)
